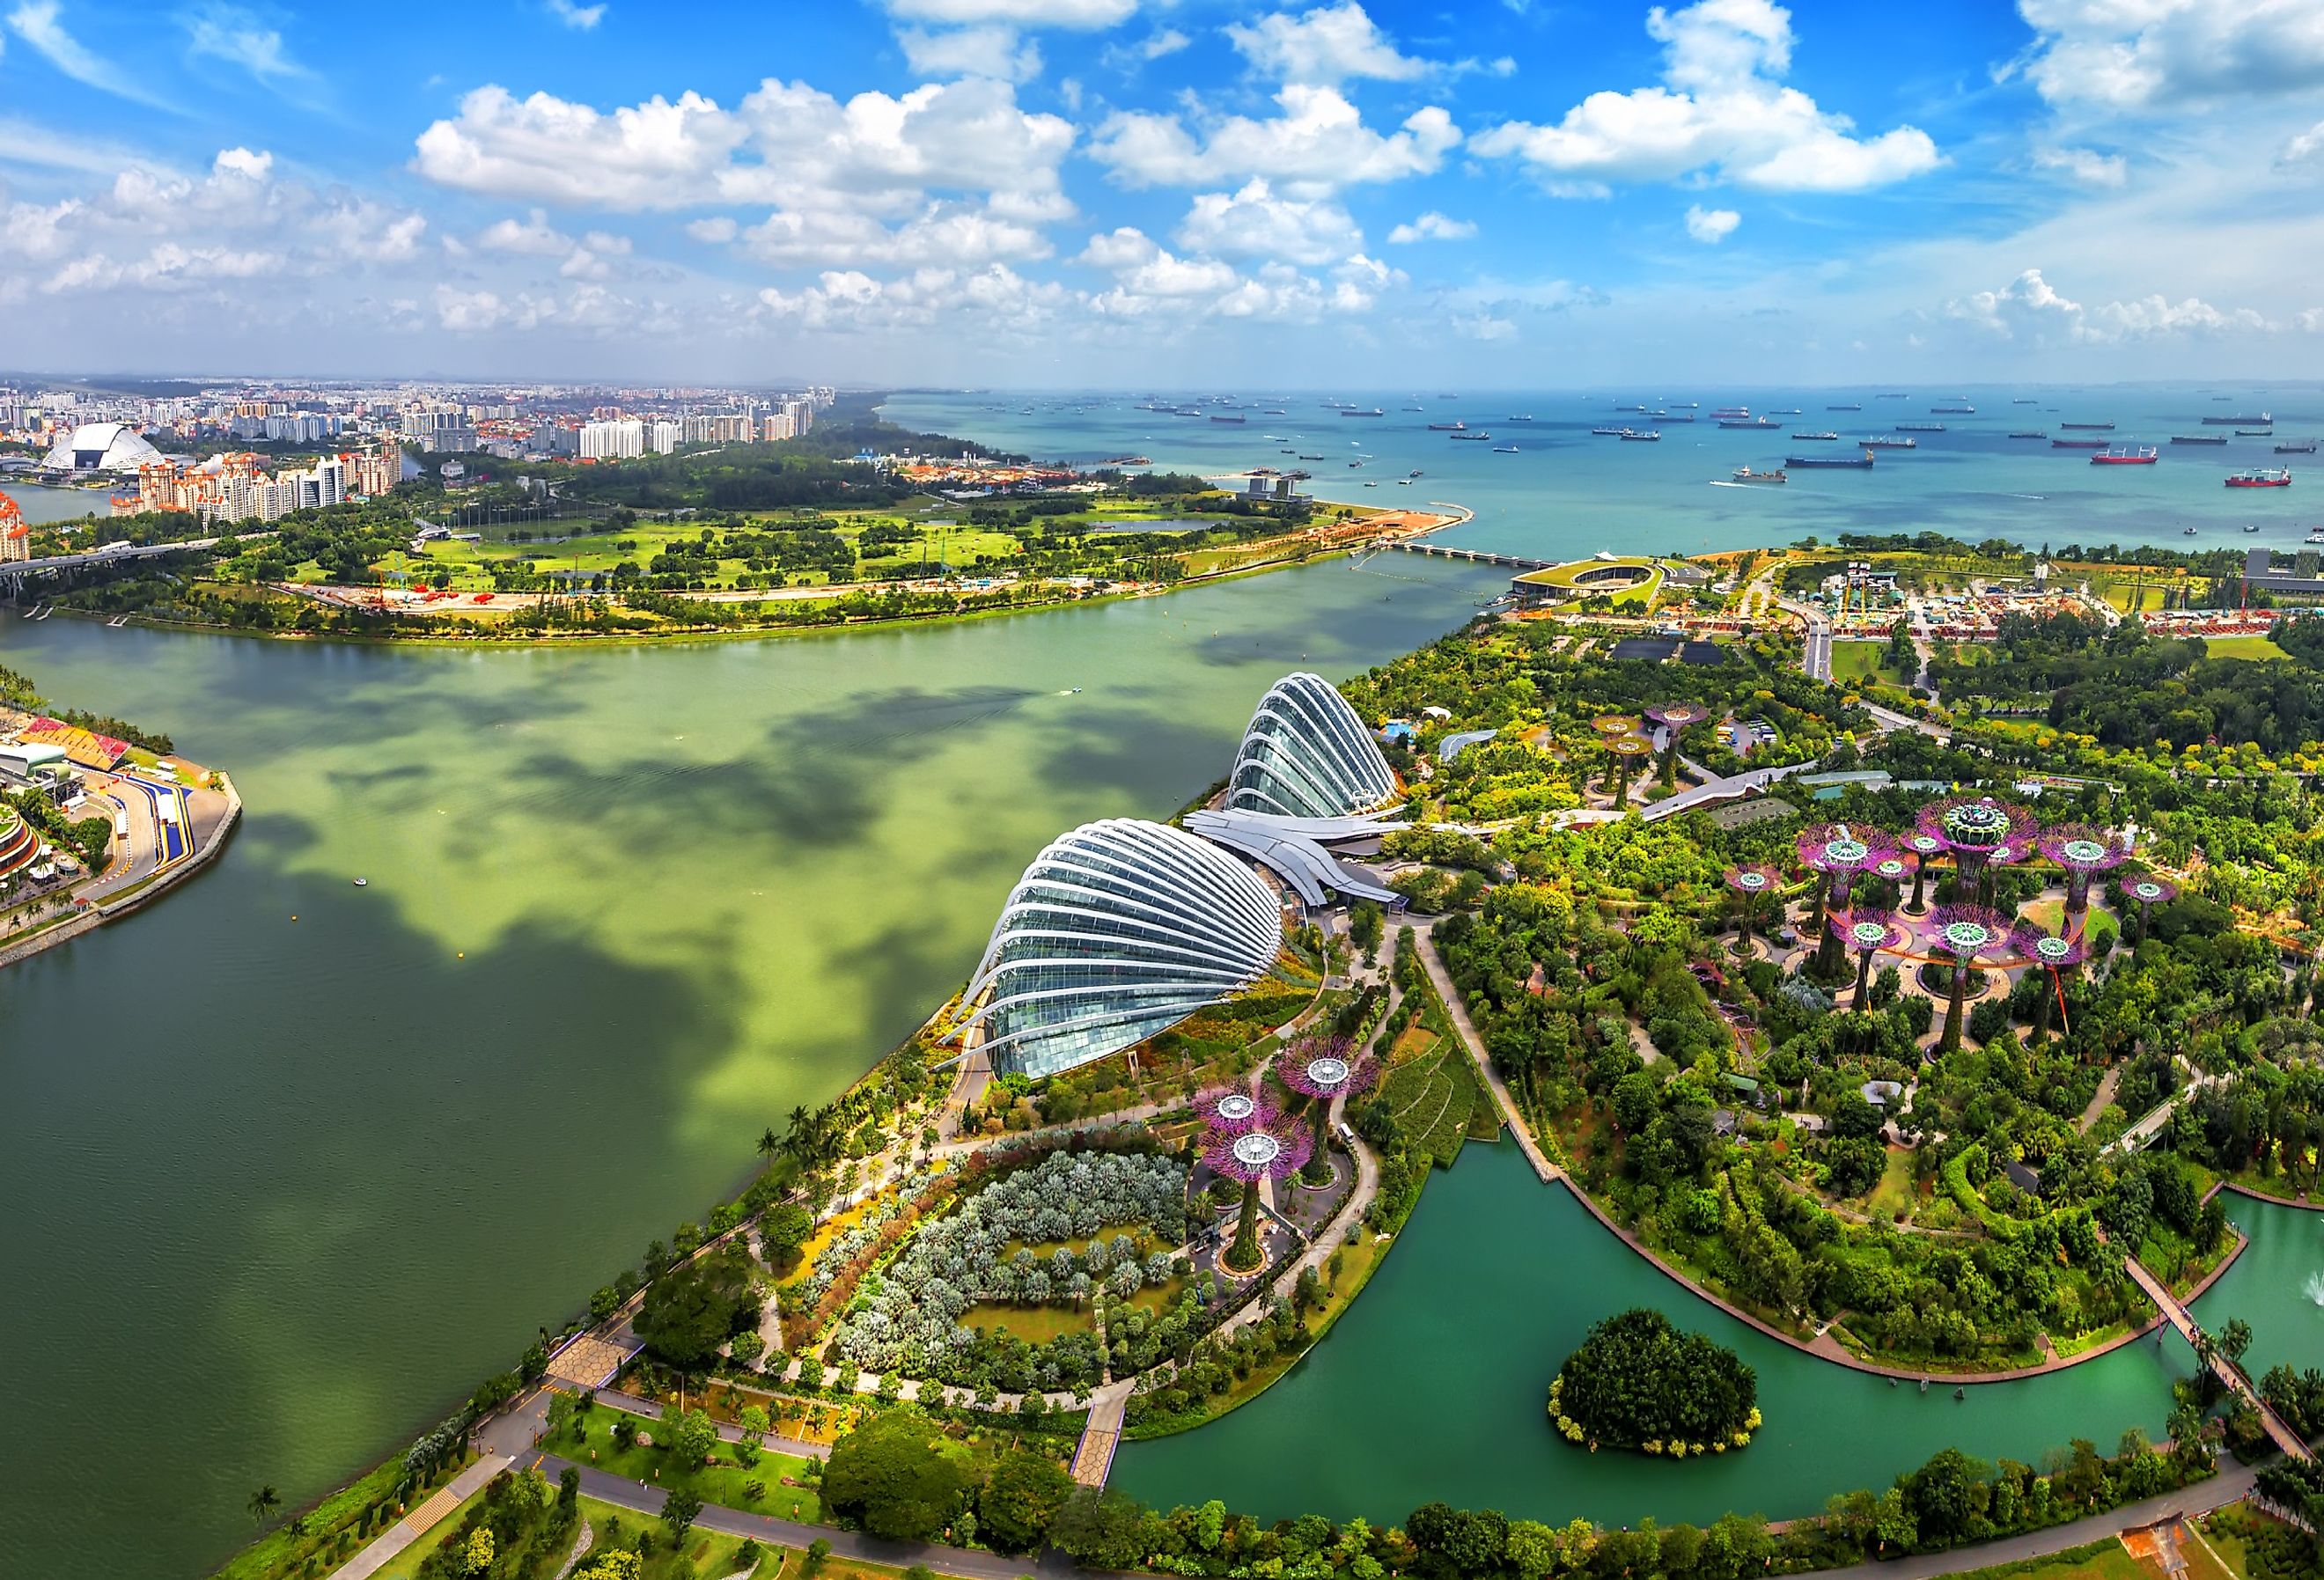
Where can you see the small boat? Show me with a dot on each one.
(2248, 527)
(2186, 533)
(1414, 473)
(2024, 401)
(1822, 435)
(2199, 438)
(1649, 437)
(2262, 477)
(2128, 455)
(2299, 447)
(2315, 535)
(1308, 457)
(1403, 482)
(1746, 474)
(362, 882)
(1371, 484)
(1505, 450)
(2031, 433)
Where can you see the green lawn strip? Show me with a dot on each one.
(723, 1481)
(281, 1551)
(2098, 1560)
(2258, 648)
(708, 1554)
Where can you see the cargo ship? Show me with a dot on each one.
(1963, 411)
(1227, 417)
(1749, 422)
(1609, 432)
(2097, 427)
(2031, 433)
(2024, 401)
(2262, 477)
(2301, 447)
(2255, 433)
(1730, 413)
(1831, 435)
(1843, 407)
(2078, 444)
(2263, 419)
(1859, 463)
(2131, 455)
(1920, 427)
(1454, 427)
(1745, 475)
(2199, 438)
(1473, 438)
(1889, 442)
(1649, 437)
(1505, 450)
(1362, 412)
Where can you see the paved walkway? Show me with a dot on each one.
(1101, 1433)
(385, 1549)
(1423, 937)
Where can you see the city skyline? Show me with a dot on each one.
(1078, 193)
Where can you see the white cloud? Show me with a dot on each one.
(1433, 227)
(1150, 281)
(959, 238)
(992, 302)
(2030, 309)
(1169, 40)
(531, 238)
(242, 162)
(40, 24)
(2086, 166)
(1720, 108)
(575, 15)
(1483, 327)
(1328, 45)
(1317, 144)
(2155, 52)
(1080, 15)
(717, 230)
(1711, 225)
(1256, 223)
(2304, 145)
(230, 34)
(992, 49)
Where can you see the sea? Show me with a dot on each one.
(1567, 493)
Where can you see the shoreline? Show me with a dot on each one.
(97, 915)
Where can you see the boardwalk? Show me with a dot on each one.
(2229, 1372)
(1101, 1433)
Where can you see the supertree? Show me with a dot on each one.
(1626, 749)
(1893, 872)
(1868, 930)
(1923, 849)
(1981, 832)
(1839, 851)
(1750, 885)
(1250, 1152)
(1674, 717)
(2056, 953)
(2149, 889)
(1321, 1069)
(1966, 934)
(2085, 853)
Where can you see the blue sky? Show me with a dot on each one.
(1123, 192)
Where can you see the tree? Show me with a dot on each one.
(818, 1554)
(692, 1437)
(1101, 1529)
(476, 1556)
(680, 1510)
(691, 1310)
(569, 1489)
(2235, 1338)
(895, 1478)
(263, 1502)
(769, 1143)
(783, 1231)
(1019, 1500)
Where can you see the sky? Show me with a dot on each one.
(1164, 193)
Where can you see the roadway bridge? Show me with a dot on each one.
(2283, 1437)
(1475, 555)
(13, 572)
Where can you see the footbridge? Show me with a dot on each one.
(1474, 556)
(2229, 1372)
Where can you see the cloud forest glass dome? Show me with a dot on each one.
(100, 447)
(1306, 755)
(1118, 930)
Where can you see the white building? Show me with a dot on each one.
(666, 436)
(613, 441)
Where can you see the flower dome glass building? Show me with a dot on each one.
(1117, 931)
(1306, 755)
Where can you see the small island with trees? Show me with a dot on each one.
(1638, 1382)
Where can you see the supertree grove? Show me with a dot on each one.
(1981, 832)
(1839, 851)
(1673, 717)
(1967, 935)
(1893, 872)
(1250, 1150)
(1323, 1069)
(1750, 885)
(1923, 849)
(2149, 890)
(2085, 853)
(2055, 953)
(1869, 930)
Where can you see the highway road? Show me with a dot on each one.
(109, 553)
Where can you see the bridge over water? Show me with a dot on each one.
(2229, 1372)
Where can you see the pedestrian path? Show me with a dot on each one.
(2284, 1437)
(1425, 942)
(422, 1519)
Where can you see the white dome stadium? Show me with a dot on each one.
(101, 446)
(1117, 931)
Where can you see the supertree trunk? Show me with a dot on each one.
(1863, 980)
(2042, 1006)
(1829, 953)
(1319, 1167)
(1920, 877)
(1952, 1037)
(2077, 892)
(1244, 1255)
(2143, 907)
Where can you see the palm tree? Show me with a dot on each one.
(263, 1502)
(769, 1143)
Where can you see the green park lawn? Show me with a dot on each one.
(706, 1555)
(2258, 648)
(1038, 1325)
(2104, 1560)
(590, 1441)
(1860, 661)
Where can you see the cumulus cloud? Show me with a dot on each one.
(1317, 145)
(2158, 52)
(2030, 309)
(2085, 165)
(992, 49)
(1721, 107)
(1255, 222)
(1711, 225)
(960, 237)
(532, 236)
(1431, 226)
(1328, 45)
(992, 301)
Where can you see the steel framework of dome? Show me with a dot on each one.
(100, 447)
(1306, 755)
(1117, 931)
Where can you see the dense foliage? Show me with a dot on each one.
(1638, 1382)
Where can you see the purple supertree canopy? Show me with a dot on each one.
(1677, 715)
(1897, 868)
(2149, 888)
(1325, 1067)
(1233, 1110)
(1980, 828)
(1927, 847)
(1275, 1153)
(1966, 932)
(1870, 927)
(1753, 882)
(1834, 848)
(2080, 848)
(2043, 948)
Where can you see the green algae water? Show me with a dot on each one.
(2276, 1284)
(1432, 1387)
(289, 1164)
